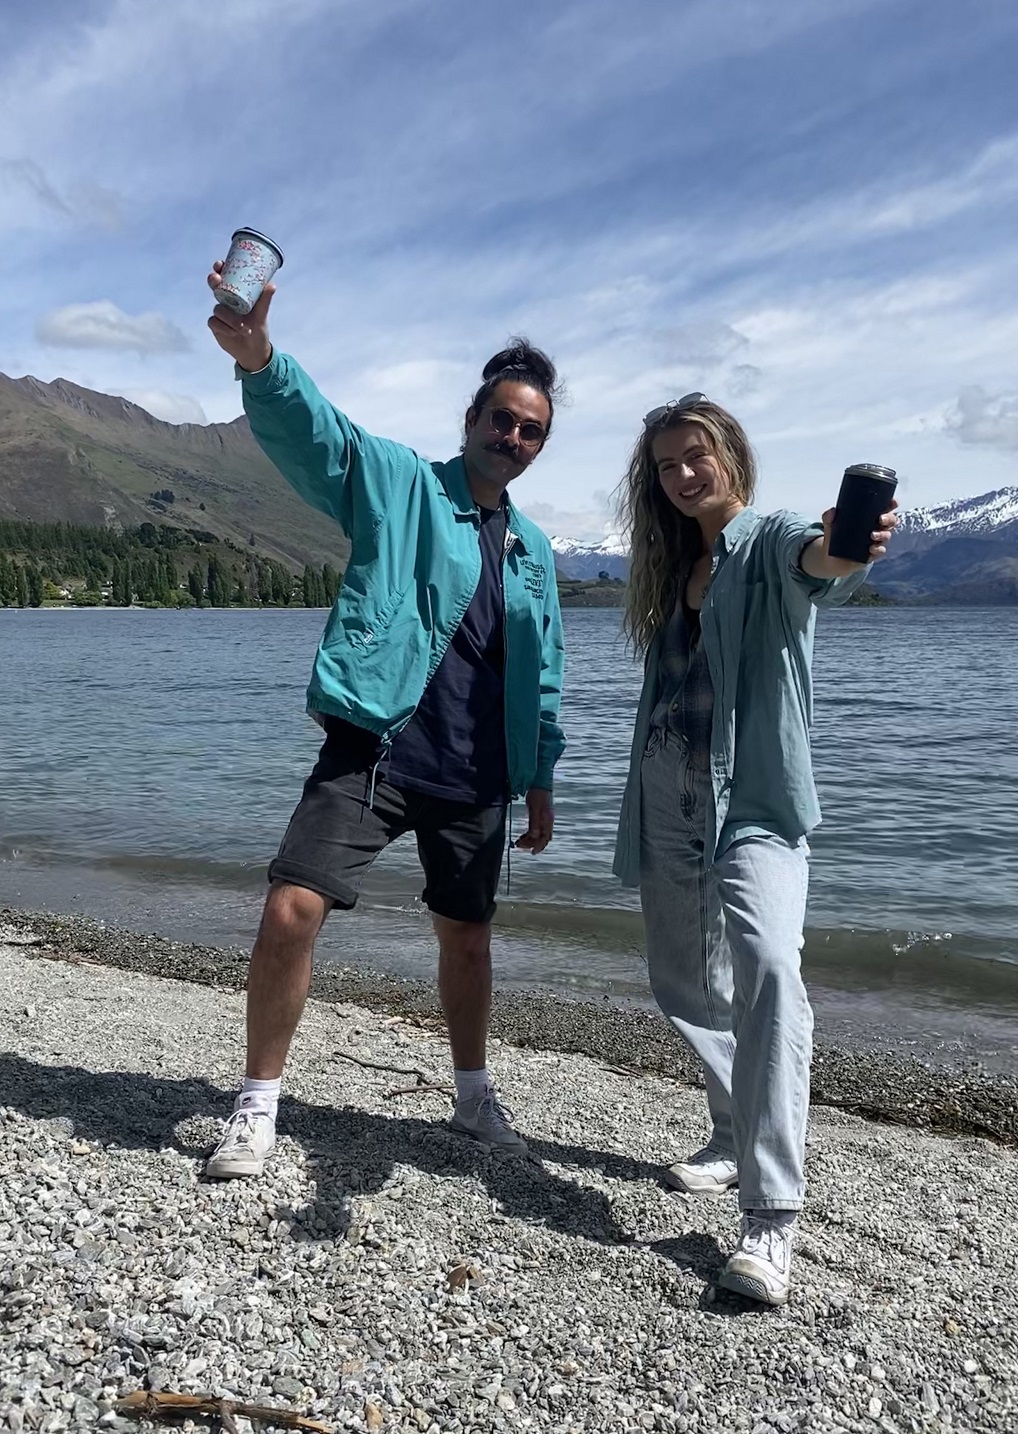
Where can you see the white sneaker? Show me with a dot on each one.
(487, 1121)
(761, 1268)
(245, 1144)
(705, 1173)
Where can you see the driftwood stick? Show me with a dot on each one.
(374, 1066)
(624, 1070)
(418, 1090)
(166, 1407)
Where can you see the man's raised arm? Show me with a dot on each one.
(332, 463)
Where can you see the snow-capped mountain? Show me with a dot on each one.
(586, 560)
(962, 517)
(965, 551)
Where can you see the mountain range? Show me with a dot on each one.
(965, 551)
(68, 453)
(73, 455)
(582, 561)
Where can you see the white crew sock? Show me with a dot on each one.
(261, 1097)
(471, 1085)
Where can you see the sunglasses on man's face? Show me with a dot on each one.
(674, 405)
(532, 435)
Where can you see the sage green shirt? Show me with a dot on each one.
(757, 631)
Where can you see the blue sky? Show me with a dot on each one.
(807, 210)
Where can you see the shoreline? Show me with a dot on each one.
(951, 1098)
(889, 604)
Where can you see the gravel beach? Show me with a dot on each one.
(388, 1275)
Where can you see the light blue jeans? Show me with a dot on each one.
(724, 948)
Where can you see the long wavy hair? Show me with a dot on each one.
(663, 543)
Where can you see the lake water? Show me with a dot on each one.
(149, 762)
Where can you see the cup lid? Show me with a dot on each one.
(257, 234)
(873, 470)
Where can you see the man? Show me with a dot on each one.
(437, 682)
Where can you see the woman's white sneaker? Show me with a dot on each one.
(244, 1146)
(705, 1173)
(485, 1120)
(761, 1267)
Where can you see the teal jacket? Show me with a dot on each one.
(414, 567)
(757, 631)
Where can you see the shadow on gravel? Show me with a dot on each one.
(717, 1303)
(694, 1254)
(351, 1152)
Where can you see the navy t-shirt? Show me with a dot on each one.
(454, 744)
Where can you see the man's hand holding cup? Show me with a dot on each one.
(245, 337)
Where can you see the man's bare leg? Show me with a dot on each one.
(464, 984)
(280, 975)
(277, 989)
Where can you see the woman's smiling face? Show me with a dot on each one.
(690, 474)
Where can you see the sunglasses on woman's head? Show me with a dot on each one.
(674, 405)
(503, 422)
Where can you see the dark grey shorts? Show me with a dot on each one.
(334, 836)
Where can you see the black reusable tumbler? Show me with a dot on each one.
(866, 493)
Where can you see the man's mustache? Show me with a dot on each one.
(503, 448)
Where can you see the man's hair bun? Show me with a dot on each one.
(519, 362)
(522, 357)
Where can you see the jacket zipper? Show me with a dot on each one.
(507, 547)
(387, 743)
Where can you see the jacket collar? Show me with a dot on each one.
(457, 490)
(735, 533)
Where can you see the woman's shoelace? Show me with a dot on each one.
(765, 1238)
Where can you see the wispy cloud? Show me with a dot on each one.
(101, 325)
(81, 202)
(985, 418)
(587, 525)
(30, 176)
(170, 407)
(990, 180)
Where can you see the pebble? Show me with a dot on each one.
(583, 1299)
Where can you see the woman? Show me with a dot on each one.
(720, 798)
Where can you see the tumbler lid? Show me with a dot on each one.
(872, 470)
(257, 234)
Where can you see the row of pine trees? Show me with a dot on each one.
(20, 586)
(162, 567)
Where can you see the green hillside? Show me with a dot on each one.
(69, 454)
